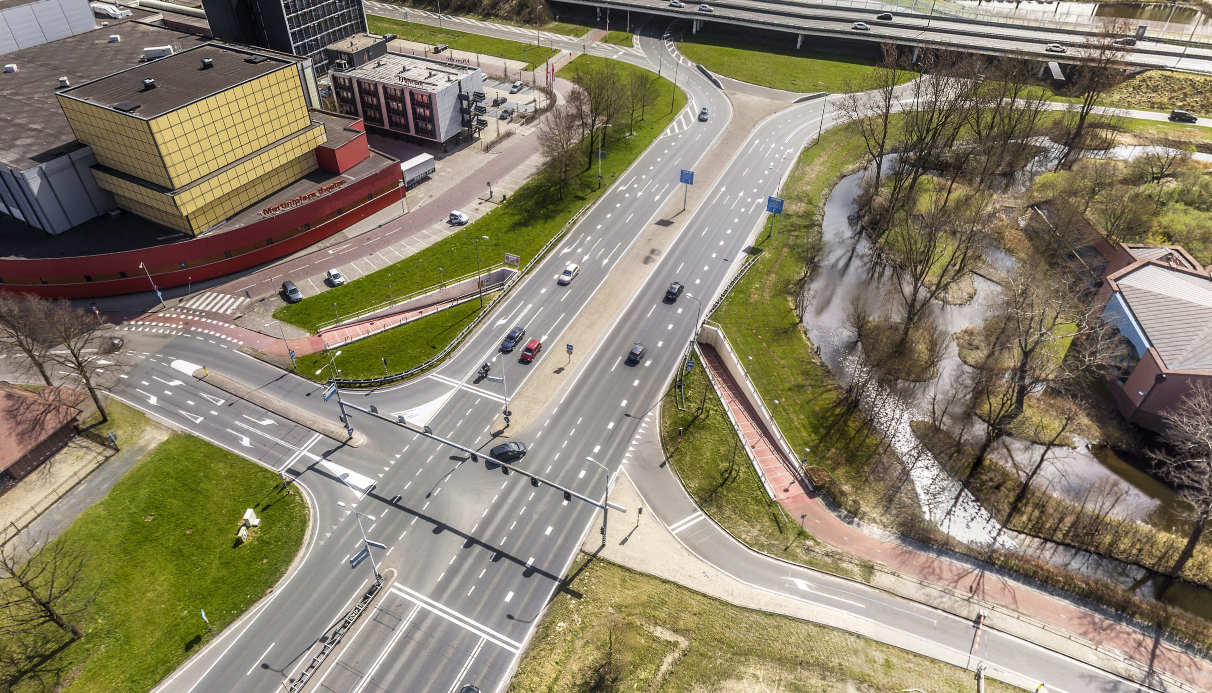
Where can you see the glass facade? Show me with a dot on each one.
(314, 24)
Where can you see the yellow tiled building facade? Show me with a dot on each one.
(213, 131)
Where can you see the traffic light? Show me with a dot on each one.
(567, 496)
(534, 481)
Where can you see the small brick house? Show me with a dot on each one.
(34, 426)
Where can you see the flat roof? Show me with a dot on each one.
(411, 71)
(180, 80)
(34, 129)
(336, 126)
(354, 43)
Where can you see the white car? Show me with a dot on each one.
(458, 218)
(335, 277)
(569, 272)
(676, 3)
(860, 26)
(1055, 48)
(705, 8)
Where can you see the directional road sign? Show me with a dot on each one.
(687, 177)
(332, 390)
(774, 205)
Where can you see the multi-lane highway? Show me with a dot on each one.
(478, 554)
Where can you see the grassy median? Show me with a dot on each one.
(522, 225)
(157, 549)
(531, 54)
(613, 629)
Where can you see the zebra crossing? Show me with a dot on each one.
(216, 303)
(529, 34)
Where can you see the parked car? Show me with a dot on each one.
(569, 273)
(458, 218)
(884, 16)
(1125, 41)
(511, 340)
(674, 290)
(860, 26)
(508, 452)
(516, 87)
(499, 101)
(506, 113)
(469, 689)
(292, 293)
(1179, 116)
(531, 350)
(676, 3)
(335, 277)
(440, 47)
(703, 114)
(705, 8)
(1055, 48)
(637, 352)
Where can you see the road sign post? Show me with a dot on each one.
(687, 180)
(774, 206)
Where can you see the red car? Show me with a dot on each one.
(531, 350)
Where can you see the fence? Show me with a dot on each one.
(25, 519)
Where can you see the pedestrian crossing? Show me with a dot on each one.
(216, 303)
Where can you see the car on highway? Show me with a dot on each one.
(637, 352)
(511, 340)
(884, 16)
(115, 343)
(469, 689)
(860, 26)
(334, 277)
(531, 350)
(508, 452)
(291, 292)
(440, 47)
(458, 218)
(1179, 116)
(674, 290)
(570, 272)
(1126, 41)
(703, 114)
(516, 87)
(1055, 48)
(676, 3)
(705, 8)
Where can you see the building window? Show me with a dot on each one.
(422, 114)
(397, 109)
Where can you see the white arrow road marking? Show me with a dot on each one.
(315, 458)
(243, 439)
(216, 400)
(264, 422)
(171, 383)
(192, 417)
(151, 399)
(808, 588)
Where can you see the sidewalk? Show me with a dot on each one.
(951, 573)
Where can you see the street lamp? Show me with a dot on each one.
(161, 296)
(335, 311)
(365, 541)
(600, 142)
(605, 499)
(479, 284)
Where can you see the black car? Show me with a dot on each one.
(884, 17)
(637, 352)
(1127, 41)
(675, 290)
(513, 338)
(292, 293)
(508, 452)
(1183, 116)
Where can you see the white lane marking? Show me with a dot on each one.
(151, 399)
(808, 588)
(264, 422)
(467, 664)
(243, 438)
(261, 658)
(686, 522)
(192, 417)
(457, 618)
(391, 643)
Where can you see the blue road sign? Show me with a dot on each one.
(774, 205)
(332, 390)
(569, 348)
(690, 365)
(292, 353)
(687, 177)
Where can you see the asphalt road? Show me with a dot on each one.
(479, 553)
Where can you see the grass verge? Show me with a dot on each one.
(775, 65)
(567, 29)
(613, 629)
(472, 43)
(404, 347)
(522, 225)
(159, 547)
(619, 38)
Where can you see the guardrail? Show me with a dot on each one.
(396, 300)
(454, 343)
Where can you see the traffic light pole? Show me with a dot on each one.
(535, 479)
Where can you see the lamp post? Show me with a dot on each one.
(442, 277)
(289, 352)
(600, 142)
(479, 284)
(161, 296)
(335, 311)
(367, 542)
(605, 499)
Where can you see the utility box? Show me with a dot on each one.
(251, 519)
(242, 534)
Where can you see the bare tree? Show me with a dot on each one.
(640, 93)
(871, 103)
(1155, 163)
(1189, 467)
(1010, 112)
(80, 344)
(40, 589)
(1099, 69)
(20, 319)
(603, 102)
(1125, 214)
(558, 142)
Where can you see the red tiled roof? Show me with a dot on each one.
(27, 418)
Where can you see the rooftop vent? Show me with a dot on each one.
(149, 83)
(379, 64)
(114, 38)
(255, 59)
(126, 106)
(207, 63)
(11, 67)
(64, 82)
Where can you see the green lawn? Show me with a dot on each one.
(522, 225)
(159, 548)
(404, 347)
(423, 33)
(566, 28)
(777, 66)
(618, 38)
(610, 629)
